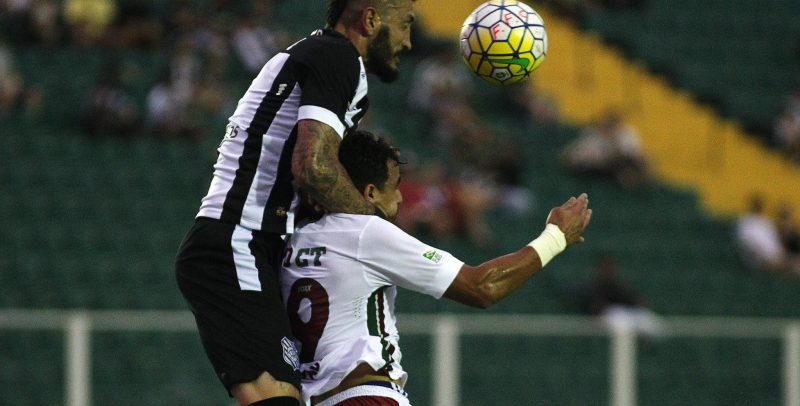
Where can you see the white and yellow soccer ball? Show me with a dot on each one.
(503, 41)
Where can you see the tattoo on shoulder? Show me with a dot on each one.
(316, 164)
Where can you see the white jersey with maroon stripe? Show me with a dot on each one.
(339, 282)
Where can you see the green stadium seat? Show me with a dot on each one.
(27, 358)
(734, 49)
(101, 231)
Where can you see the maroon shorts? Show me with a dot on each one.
(369, 401)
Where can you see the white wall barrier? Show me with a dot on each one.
(78, 327)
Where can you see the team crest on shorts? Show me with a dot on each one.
(290, 353)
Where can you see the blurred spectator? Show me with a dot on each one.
(210, 38)
(536, 107)
(136, 26)
(577, 8)
(211, 93)
(451, 121)
(255, 41)
(441, 206)
(167, 111)
(48, 22)
(254, 44)
(439, 82)
(611, 148)
(88, 20)
(615, 4)
(481, 156)
(789, 235)
(430, 201)
(787, 129)
(185, 67)
(483, 164)
(32, 21)
(198, 50)
(492, 162)
(607, 297)
(758, 239)
(15, 95)
(108, 108)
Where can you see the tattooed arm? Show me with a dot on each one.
(317, 170)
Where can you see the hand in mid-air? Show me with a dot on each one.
(572, 217)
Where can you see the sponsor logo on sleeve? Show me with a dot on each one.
(432, 256)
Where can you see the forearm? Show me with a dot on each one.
(317, 170)
(499, 277)
(490, 282)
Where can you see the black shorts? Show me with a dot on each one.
(229, 276)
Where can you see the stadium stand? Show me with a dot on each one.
(94, 224)
(28, 363)
(743, 53)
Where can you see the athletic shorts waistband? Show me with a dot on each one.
(384, 389)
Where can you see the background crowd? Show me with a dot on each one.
(112, 109)
(204, 45)
(208, 46)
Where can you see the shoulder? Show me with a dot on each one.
(361, 226)
(337, 222)
(380, 228)
(379, 235)
(325, 47)
(359, 229)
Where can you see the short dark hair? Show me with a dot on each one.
(364, 156)
(335, 10)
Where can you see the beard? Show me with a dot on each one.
(380, 56)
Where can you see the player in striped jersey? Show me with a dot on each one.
(286, 130)
(340, 275)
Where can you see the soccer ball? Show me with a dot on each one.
(503, 41)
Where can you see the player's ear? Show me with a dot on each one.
(369, 192)
(370, 21)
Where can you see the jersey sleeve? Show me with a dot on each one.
(328, 78)
(392, 257)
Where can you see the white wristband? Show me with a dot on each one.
(550, 243)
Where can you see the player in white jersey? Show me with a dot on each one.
(286, 130)
(340, 275)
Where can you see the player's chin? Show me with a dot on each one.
(388, 74)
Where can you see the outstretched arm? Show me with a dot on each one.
(317, 170)
(486, 284)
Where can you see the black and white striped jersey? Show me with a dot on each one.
(321, 77)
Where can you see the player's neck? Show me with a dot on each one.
(355, 36)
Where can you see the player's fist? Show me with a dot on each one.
(572, 217)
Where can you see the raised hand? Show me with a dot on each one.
(572, 217)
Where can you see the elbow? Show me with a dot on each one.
(309, 174)
(486, 296)
(303, 178)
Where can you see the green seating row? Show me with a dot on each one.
(745, 53)
(95, 224)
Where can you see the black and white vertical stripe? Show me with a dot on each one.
(255, 159)
(252, 184)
